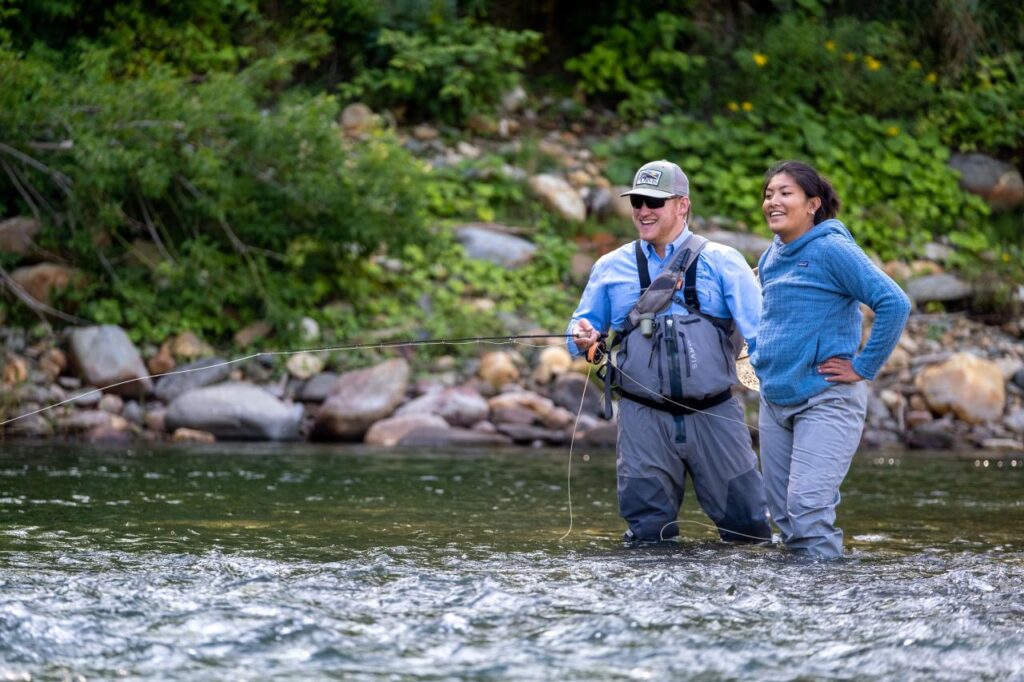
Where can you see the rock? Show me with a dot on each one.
(309, 330)
(15, 370)
(391, 431)
(162, 362)
(603, 436)
(917, 417)
(235, 411)
(42, 280)
(542, 409)
(523, 433)
(84, 420)
(1018, 379)
(190, 377)
(897, 270)
(486, 241)
(16, 235)
(568, 392)
(498, 369)
(998, 183)
(360, 398)
(458, 406)
(317, 388)
(111, 403)
(304, 365)
(105, 357)
(750, 245)
(559, 196)
(437, 437)
(32, 426)
(969, 386)
(183, 435)
(940, 288)
(188, 346)
(1015, 421)
(357, 119)
(931, 436)
(1002, 444)
(620, 204)
(939, 253)
(551, 362)
(250, 334)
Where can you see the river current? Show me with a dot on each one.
(310, 562)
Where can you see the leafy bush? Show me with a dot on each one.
(985, 112)
(643, 64)
(447, 72)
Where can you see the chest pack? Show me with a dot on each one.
(677, 363)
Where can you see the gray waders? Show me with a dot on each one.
(677, 415)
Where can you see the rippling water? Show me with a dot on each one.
(250, 562)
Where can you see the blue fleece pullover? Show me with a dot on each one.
(812, 288)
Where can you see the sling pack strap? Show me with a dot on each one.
(680, 406)
(657, 295)
(641, 266)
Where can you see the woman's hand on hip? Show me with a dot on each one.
(839, 370)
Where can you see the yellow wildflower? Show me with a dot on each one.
(850, 56)
(1006, 258)
(760, 59)
(931, 77)
(872, 63)
(830, 45)
(733, 106)
(747, 106)
(915, 65)
(892, 131)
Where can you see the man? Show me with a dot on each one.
(674, 370)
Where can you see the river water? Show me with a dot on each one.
(298, 562)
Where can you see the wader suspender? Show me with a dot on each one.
(693, 303)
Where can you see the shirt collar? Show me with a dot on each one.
(671, 248)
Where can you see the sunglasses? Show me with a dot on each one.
(637, 201)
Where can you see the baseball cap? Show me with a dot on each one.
(660, 179)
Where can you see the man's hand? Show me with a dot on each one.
(839, 370)
(585, 335)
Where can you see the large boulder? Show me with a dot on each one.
(488, 242)
(559, 196)
(235, 411)
(360, 398)
(106, 357)
(190, 377)
(966, 385)
(458, 406)
(995, 181)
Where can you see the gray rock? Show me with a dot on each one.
(316, 388)
(236, 411)
(361, 398)
(997, 182)
(437, 437)
(568, 391)
(106, 357)
(931, 436)
(487, 242)
(941, 288)
(750, 245)
(190, 377)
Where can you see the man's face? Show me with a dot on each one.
(660, 226)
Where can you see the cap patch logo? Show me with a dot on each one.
(648, 177)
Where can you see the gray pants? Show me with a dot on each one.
(656, 451)
(806, 450)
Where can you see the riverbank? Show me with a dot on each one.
(952, 383)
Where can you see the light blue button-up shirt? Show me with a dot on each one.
(726, 288)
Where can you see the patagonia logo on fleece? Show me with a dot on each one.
(803, 264)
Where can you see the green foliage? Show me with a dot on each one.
(864, 66)
(448, 72)
(479, 189)
(897, 189)
(986, 111)
(642, 63)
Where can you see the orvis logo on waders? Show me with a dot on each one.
(673, 362)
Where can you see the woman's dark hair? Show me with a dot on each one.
(811, 182)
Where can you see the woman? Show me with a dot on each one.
(808, 357)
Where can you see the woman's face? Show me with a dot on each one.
(787, 208)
